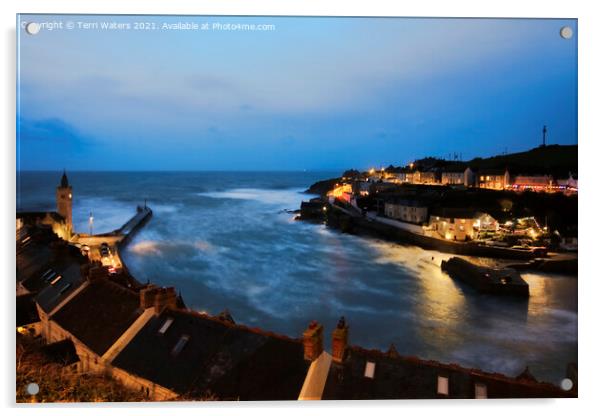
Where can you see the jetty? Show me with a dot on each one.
(127, 231)
(113, 241)
(497, 281)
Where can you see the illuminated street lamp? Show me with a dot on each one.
(91, 223)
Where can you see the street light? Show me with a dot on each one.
(91, 223)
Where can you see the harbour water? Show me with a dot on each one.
(225, 241)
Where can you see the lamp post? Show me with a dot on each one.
(91, 223)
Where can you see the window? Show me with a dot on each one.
(165, 326)
(46, 273)
(443, 385)
(180, 345)
(65, 288)
(369, 371)
(480, 391)
(56, 279)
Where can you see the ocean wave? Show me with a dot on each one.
(146, 247)
(291, 197)
(155, 247)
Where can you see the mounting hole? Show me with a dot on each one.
(566, 32)
(33, 389)
(566, 384)
(32, 28)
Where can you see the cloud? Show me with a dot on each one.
(54, 131)
(50, 144)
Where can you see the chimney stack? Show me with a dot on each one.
(158, 297)
(339, 341)
(313, 341)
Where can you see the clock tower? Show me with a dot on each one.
(64, 202)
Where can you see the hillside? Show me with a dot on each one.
(556, 159)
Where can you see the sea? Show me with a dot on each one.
(228, 241)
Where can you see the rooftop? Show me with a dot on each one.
(449, 212)
(195, 354)
(56, 284)
(391, 376)
(99, 314)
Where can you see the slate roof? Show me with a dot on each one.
(33, 253)
(454, 169)
(397, 377)
(99, 314)
(449, 212)
(51, 295)
(492, 171)
(231, 361)
(409, 202)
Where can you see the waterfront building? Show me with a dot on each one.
(457, 175)
(409, 210)
(95, 319)
(361, 187)
(568, 184)
(405, 176)
(342, 191)
(50, 270)
(61, 221)
(497, 179)
(460, 224)
(537, 183)
(426, 177)
(350, 372)
(190, 355)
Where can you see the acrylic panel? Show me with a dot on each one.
(295, 208)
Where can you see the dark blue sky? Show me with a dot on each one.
(315, 93)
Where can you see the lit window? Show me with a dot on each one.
(180, 345)
(369, 372)
(166, 326)
(480, 391)
(443, 385)
(56, 279)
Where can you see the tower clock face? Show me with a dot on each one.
(70, 196)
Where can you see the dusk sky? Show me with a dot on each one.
(315, 93)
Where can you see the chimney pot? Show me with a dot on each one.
(339, 340)
(313, 341)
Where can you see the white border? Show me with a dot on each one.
(590, 289)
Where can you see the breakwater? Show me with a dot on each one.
(129, 229)
(342, 220)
